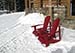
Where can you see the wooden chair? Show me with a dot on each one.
(43, 29)
(50, 37)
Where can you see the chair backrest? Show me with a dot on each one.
(54, 26)
(46, 21)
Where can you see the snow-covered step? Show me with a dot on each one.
(27, 42)
(9, 47)
(13, 44)
(15, 32)
(9, 20)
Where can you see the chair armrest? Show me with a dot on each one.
(36, 25)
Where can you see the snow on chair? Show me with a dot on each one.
(40, 31)
(51, 37)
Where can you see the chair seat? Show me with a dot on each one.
(44, 39)
(40, 31)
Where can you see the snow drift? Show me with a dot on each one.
(19, 39)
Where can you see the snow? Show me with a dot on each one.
(31, 19)
(16, 35)
(9, 20)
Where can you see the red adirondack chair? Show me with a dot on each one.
(40, 31)
(50, 37)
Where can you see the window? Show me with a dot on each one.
(41, 3)
(27, 3)
(72, 7)
(31, 5)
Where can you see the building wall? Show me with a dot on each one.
(47, 4)
(37, 4)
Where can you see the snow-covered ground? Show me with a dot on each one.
(16, 35)
(9, 20)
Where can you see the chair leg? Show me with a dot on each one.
(59, 33)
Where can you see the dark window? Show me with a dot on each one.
(27, 3)
(41, 3)
(73, 7)
(20, 5)
(31, 5)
